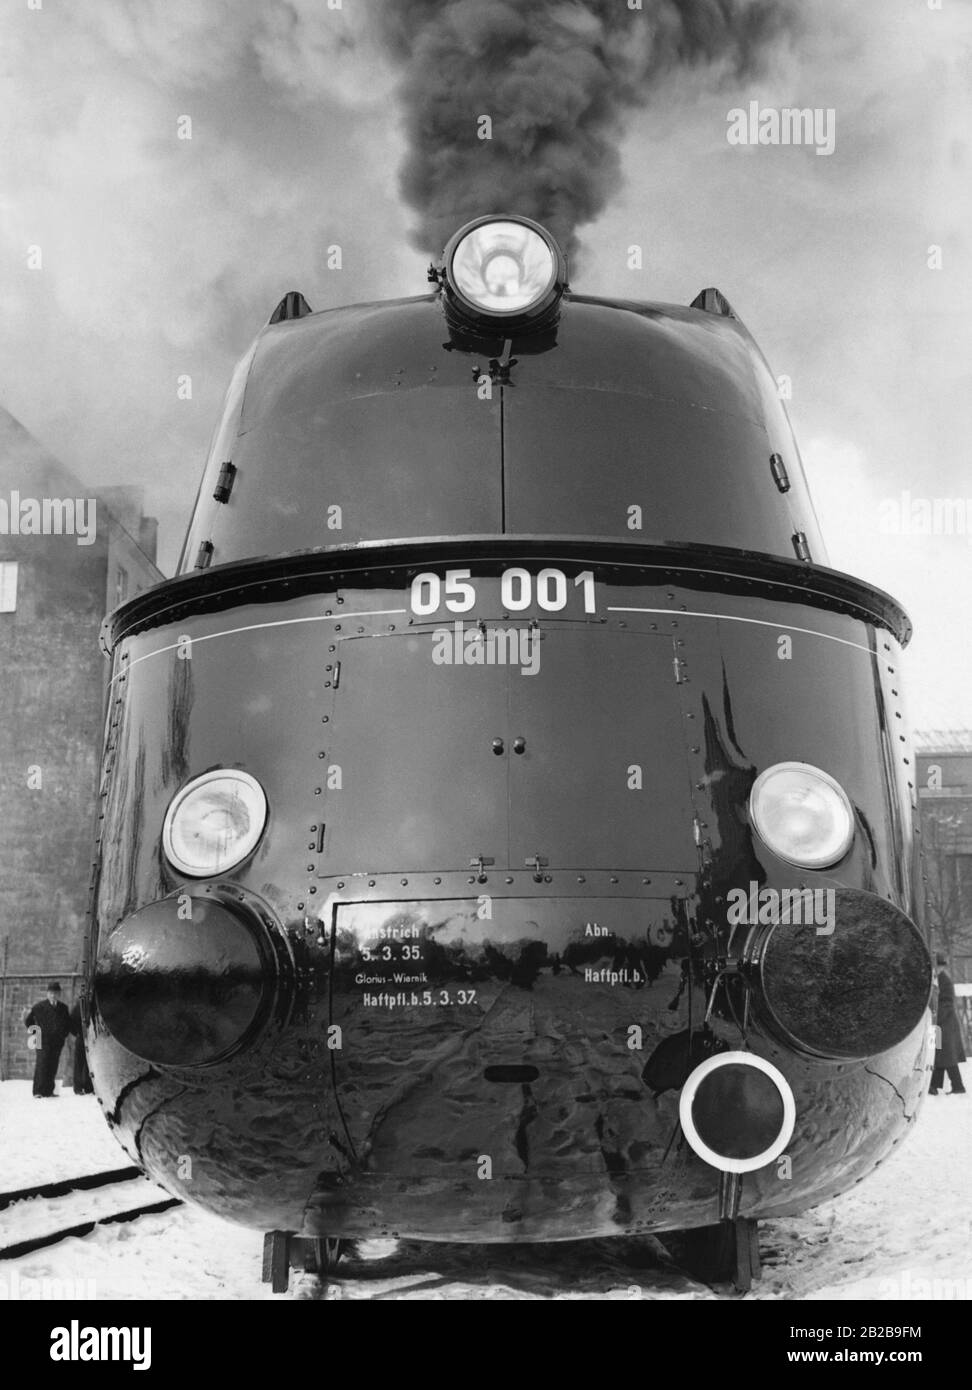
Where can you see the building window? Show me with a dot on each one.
(8, 586)
(121, 586)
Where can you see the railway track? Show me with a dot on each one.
(74, 1207)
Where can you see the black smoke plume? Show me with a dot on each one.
(557, 79)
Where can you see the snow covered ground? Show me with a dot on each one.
(904, 1233)
(43, 1140)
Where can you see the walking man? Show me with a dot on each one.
(951, 1052)
(51, 1017)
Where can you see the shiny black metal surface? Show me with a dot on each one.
(710, 569)
(181, 982)
(630, 422)
(726, 1094)
(506, 630)
(617, 922)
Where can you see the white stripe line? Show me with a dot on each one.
(760, 622)
(256, 627)
(398, 612)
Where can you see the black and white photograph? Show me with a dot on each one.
(485, 664)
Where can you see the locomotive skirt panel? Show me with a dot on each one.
(511, 865)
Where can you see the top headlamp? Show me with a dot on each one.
(503, 269)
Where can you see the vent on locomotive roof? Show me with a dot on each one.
(713, 301)
(292, 306)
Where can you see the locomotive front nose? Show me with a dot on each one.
(183, 981)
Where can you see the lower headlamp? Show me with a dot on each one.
(803, 815)
(214, 822)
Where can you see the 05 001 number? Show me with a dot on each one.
(518, 590)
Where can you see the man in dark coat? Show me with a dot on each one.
(51, 1017)
(951, 1051)
(82, 1077)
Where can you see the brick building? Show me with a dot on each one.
(68, 554)
(944, 763)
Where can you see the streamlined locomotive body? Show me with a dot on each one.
(507, 816)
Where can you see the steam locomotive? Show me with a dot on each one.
(507, 816)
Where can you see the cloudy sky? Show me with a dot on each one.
(162, 257)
